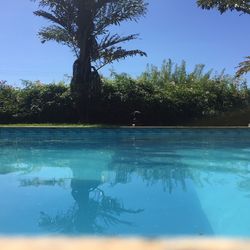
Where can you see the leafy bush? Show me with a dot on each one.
(36, 102)
(168, 96)
(171, 96)
(8, 102)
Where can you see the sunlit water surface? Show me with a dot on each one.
(119, 182)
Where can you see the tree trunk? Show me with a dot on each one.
(81, 81)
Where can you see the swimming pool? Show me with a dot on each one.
(116, 182)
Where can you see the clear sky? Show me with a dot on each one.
(174, 29)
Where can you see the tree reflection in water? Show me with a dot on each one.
(92, 213)
(162, 164)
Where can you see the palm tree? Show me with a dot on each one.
(83, 25)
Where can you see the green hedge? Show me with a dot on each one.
(36, 102)
(166, 96)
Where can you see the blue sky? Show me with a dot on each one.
(174, 29)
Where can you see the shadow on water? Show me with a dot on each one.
(154, 167)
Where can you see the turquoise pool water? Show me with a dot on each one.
(148, 182)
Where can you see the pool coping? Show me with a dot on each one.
(59, 243)
(125, 127)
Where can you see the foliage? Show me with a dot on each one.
(84, 26)
(36, 102)
(244, 67)
(169, 95)
(224, 5)
(8, 102)
(68, 26)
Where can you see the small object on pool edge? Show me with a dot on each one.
(135, 118)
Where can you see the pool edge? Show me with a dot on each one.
(123, 243)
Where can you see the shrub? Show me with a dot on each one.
(36, 102)
(8, 103)
(166, 96)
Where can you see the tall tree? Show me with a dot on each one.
(242, 6)
(83, 25)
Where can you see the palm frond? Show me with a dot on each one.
(60, 35)
(112, 54)
(115, 12)
(244, 67)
